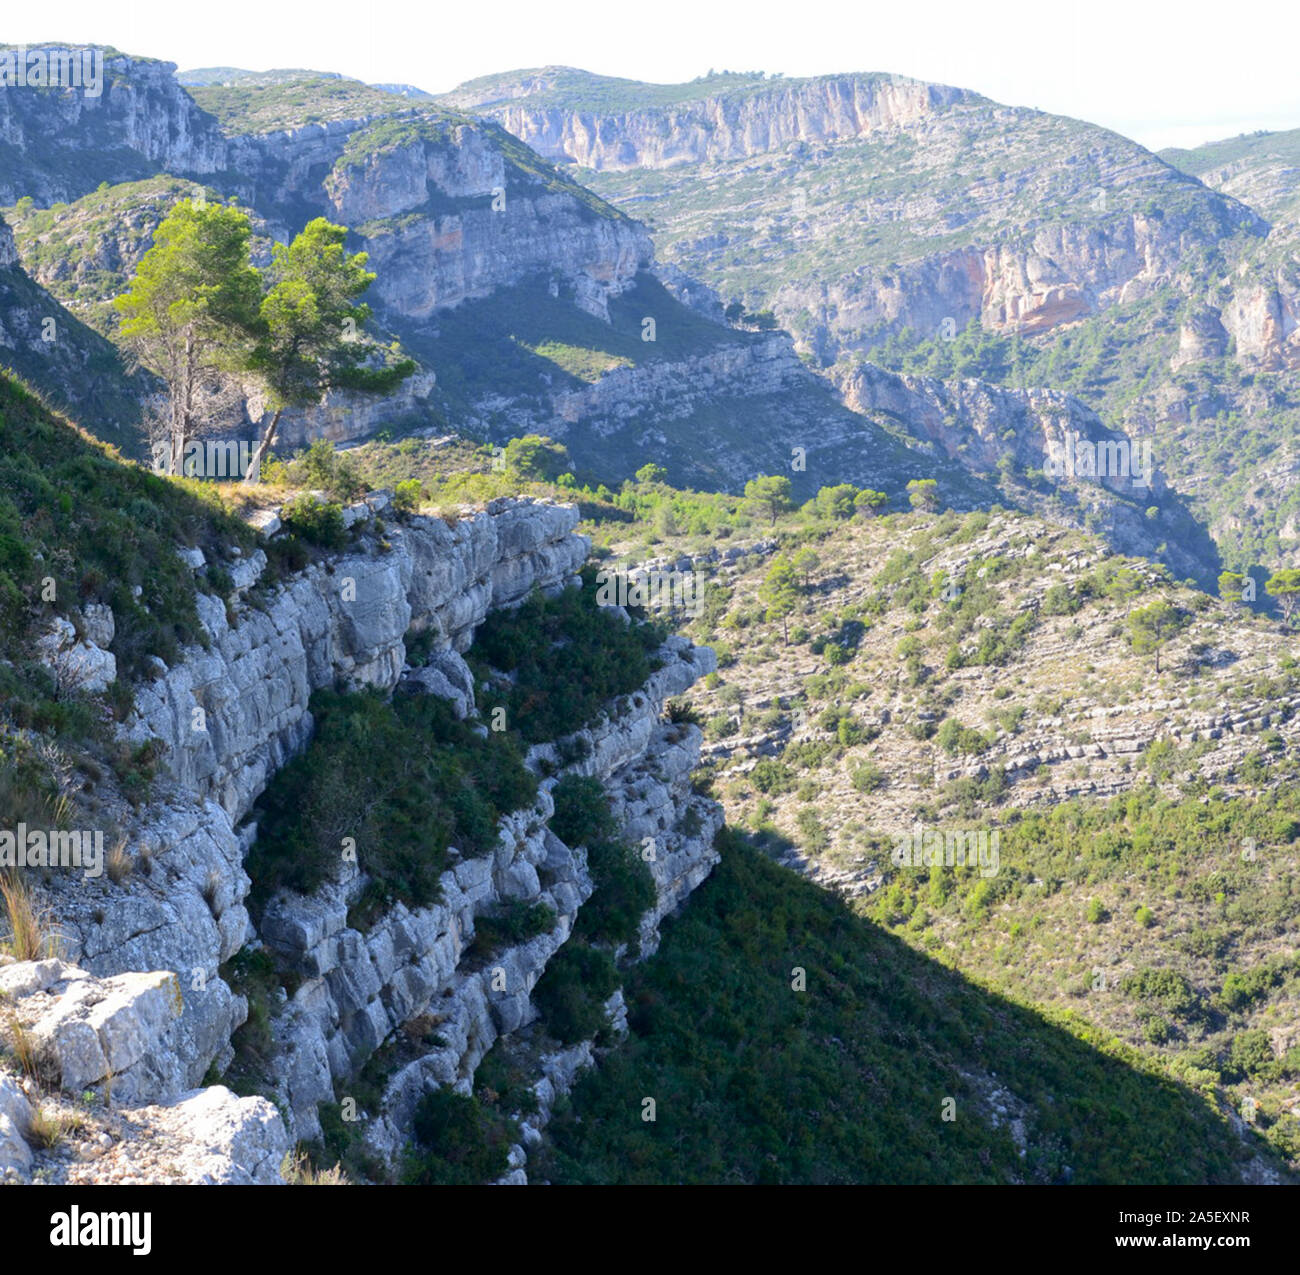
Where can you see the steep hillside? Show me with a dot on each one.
(772, 1018)
(856, 206)
(133, 987)
(1257, 168)
(1132, 803)
(881, 218)
(76, 368)
(58, 145)
(419, 1005)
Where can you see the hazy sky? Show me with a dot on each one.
(1166, 74)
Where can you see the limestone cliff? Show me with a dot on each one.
(137, 1007)
(61, 144)
(720, 122)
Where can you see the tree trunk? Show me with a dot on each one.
(187, 420)
(254, 474)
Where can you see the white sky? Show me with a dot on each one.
(1167, 74)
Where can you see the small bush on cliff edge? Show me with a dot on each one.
(572, 992)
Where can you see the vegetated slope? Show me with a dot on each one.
(74, 514)
(252, 102)
(985, 674)
(1260, 169)
(781, 1039)
(80, 529)
(85, 252)
(52, 348)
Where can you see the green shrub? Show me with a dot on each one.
(867, 777)
(514, 922)
(1167, 987)
(1250, 1055)
(624, 886)
(581, 810)
(815, 838)
(572, 991)
(568, 657)
(442, 784)
(457, 1142)
(624, 891)
(1059, 600)
(1242, 988)
(772, 777)
(954, 738)
(317, 522)
(408, 494)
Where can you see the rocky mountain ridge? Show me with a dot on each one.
(720, 124)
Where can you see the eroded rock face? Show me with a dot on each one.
(360, 988)
(144, 1011)
(114, 1033)
(181, 905)
(1102, 478)
(343, 620)
(718, 127)
(448, 220)
(645, 766)
(143, 119)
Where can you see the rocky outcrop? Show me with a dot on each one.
(645, 766)
(1263, 317)
(344, 416)
(63, 144)
(448, 214)
(225, 718)
(717, 126)
(115, 1032)
(344, 619)
(208, 1137)
(982, 424)
(359, 989)
(108, 1049)
(138, 1009)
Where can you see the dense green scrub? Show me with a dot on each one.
(566, 655)
(848, 1079)
(440, 783)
